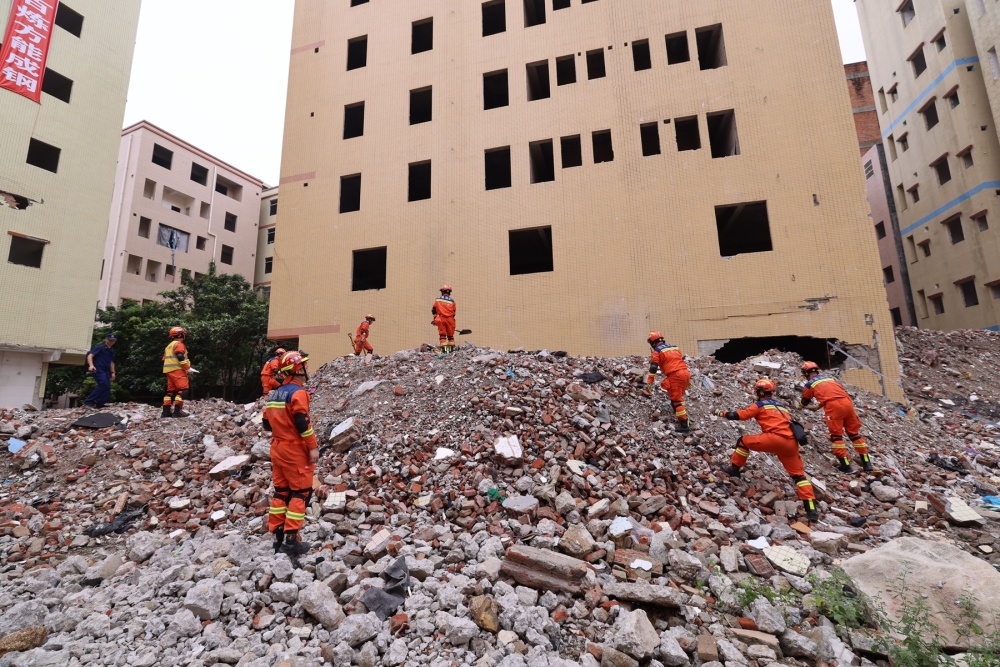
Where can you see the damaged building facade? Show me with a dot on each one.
(57, 163)
(266, 235)
(943, 155)
(580, 173)
(175, 207)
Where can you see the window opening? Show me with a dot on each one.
(543, 164)
(26, 251)
(937, 302)
(743, 228)
(969, 294)
(538, 80)
(495, 93)
(571, 151)
(565, 70)
(677, 48)
(498, 168)
(955, 231)
(350, 193)
(57, 85)
(534, 13)
(603, 149)
(918, 61)
(144, 227)
(906, 12)
(354, 120)
(880, 230)
(559, 4)
(688, 135)
(530, 250)
(711, 47)
(199, 174)
(888, 275)
(69, 20)
(897, 317)
(268, 264)
(368, 269)
(173, 238)
(982, 222)
(270, 236)
(930, 114)
(44, 156)
(419, 181)
(942, 169)
(226, 257)
(163, 157)
(230, 222)
(494, 18)
(422, 36)
(722, 135)
(641, 59)
(357, 52)
(421, 105)
(595, 64)
(650, 135)
(273, 207)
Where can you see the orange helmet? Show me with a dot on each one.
(809, 367)
(446, 288)
(370, 317)
(764, 386)
(654, 336)
(178, 332)
(279, 352)
(293, 363)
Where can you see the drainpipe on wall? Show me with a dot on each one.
(211, 211)
(118, 227)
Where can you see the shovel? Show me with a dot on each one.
(464, 332)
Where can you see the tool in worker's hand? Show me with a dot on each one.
(464, 332)
(193, 370)
(351, 338)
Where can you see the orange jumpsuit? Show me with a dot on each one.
(444, 316)
(175, 367)
(268, 375)
(676, 378)
(292, 437)
(839, 413)
(776, 438)
(361, 339)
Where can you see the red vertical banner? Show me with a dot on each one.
(26, 46)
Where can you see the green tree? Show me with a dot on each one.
(227, 336)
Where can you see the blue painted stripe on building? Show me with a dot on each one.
(989, 185)
(926, 91)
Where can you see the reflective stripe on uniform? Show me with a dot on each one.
(295, 516)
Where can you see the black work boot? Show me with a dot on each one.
(731, 470)
(279, 536)
(844, 465)
(682, 425)
(178, 412)
(293, 545)
(866, 463)
(166, 411)
(812, 514)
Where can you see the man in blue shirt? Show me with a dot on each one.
(101, 362)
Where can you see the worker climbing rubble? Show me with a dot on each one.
(776, 438)
(294, 454)
(443, 311)
(839, 414)
(361, 343)
(676, 376)
(176, 366)
(270, 376)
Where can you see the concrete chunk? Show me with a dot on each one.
(344, 435)
(547, 570)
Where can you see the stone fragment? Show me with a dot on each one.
(670, 651)
(204, 599)
(611, 657)
(485, 613)
(227, 465)
(356, 630)
(141, 546)
(756, 637)
(890, 529)
(546, 570)
(23, 640)
(366, 387)
(634, 634)
(344, 435)
(828, 543)
(885, 494)
(938, 571)
(644, 593)
(508, 448)
(518, 506)
(577, 541)
(767, 618)
(798, 646)
(684, 564)
(321, 603)
(707, 649)
(759, 565)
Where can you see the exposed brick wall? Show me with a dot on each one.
(859, 86)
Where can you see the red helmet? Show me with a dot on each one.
(178, 332)
(279, 352)
(293, 362)
(764, 386)
(654, 336)
(809, 367)
(370, 317)
(446, 288)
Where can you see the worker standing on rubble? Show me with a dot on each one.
(776, 438)
(839, 414)
(676, 376)
(269, 375)
(443, 311)
(176, 366)
(361, 336)
(101, 362)
(294, 454)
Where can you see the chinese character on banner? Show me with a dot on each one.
(26, 47)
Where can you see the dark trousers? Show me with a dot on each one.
(102, 392)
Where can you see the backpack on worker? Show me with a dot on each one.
(799, 431)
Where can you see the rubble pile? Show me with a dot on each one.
(497, 509)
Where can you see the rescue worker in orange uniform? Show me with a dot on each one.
(176, 366)
(776, 438)
(269, 374)
(294, 454)
(361, 336)
(443, 311)
(676, 376)
(839, 413)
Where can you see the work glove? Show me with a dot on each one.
(721, 413)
